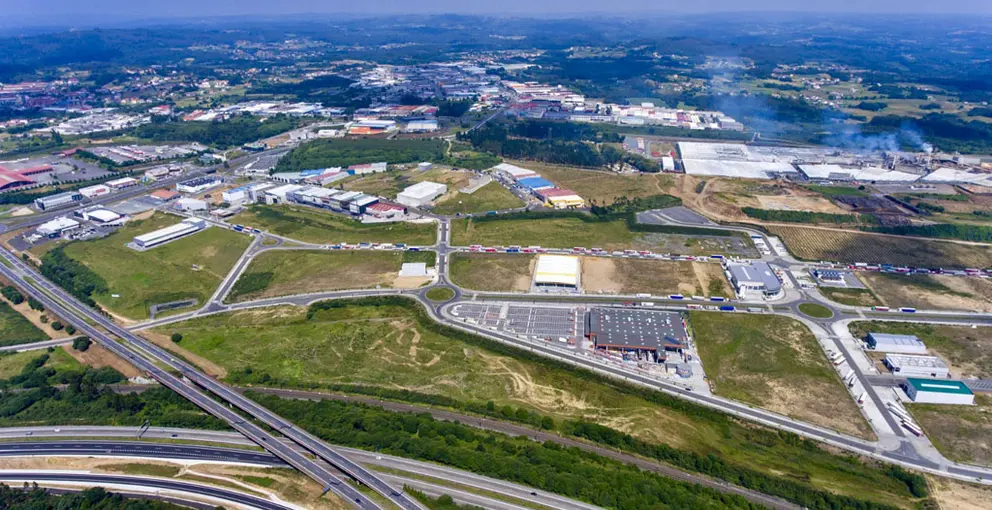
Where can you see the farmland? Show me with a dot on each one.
(329, 347)
(190, 267)
(967, 351)
(961, 433)
(285, 272)
(315, 226)
(636, 276)
(931, 292)
(492, 272)
(844, 246)
(775, 363)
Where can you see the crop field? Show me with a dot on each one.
(491, 197)
(15, 329)
(286, 346)
(961, 433)
(190, 267)
(844, 246)
(968, 352)
(492, 272)
(658, 277)
(774, 363)
(601, 186)
(931, 292)
(286, 272)
(324, 227)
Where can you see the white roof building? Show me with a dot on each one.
(94, 191)
(557, 271)
(421, 193)
(190, 204)
(183, 228)
(417, 269)
(515, 172)
(908, 365)
(101, 215)
(57, 226)
(900, 344)
(840, 173)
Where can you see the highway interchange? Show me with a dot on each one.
(205, 391)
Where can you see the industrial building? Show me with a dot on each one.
(198, 185)
(280, 194)
(94, 191)
(360, 204)
(383, 210)
(897, 344)
(421, 194)
(421, 126)
(56, 201)
(123, 182)
(868, 173)
(754, 278)
(916, 366)
(368, 168)
(828, 275)
(190, 205)
(164, 195)
(557, 271)
(514, 172)
(101, 216)
(535, 183)
(162, 235)
(57, 227)
(637, 335)
(560, 198)
(928, 391)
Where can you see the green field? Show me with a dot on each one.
(190, 267)
(314, 226)
(285, 272)
(968, 351)
(837, 191)
(961, 433)
(440, 294)
(286, 346)
(491, 197)
(775, 363)
(850, 296)
(492, 272)
(816, 310)
(12, 363)
(550, 232)
(15, 329)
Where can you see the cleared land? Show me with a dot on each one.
(967, 351)
(774, 363)
(931, 292)
(658, 277)
(961, 433)
(601, 186)
(852, 297)
(387, 346)
(191, 267)
(824, 244)
(951, 493)
(15, 329)
(389, 184)
(315, 226)
(492, 272)
(491, 197)
(285, 272)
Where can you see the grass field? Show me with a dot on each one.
(931, 292)
(961, 433)
(852, 297)
(658, 277)
(315, 226)
(15, 329)
(775, 363)
(440, 294)
(12, 363)
(285, 272)
(191, 267)
(816, 310)
(967, 351)
(492, 272)
(336, 346)
(551, 232)
(843, 246)
(491, 197)
(601, 186)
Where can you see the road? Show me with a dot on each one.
(37, 345)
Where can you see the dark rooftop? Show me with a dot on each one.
(635, 329)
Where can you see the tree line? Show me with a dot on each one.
(33, 497)
(344, 153)
(977, 233)
(72, 275)
(800, 216)
(233, 132)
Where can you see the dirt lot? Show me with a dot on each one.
(962, 433)
(931, 292)
(799, 203)
(634, 276)
(954, 495)
(493, 272)
(98, 357)
(34, 317)
(721, 199)
(601, 186)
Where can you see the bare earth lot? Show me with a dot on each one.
(492, 272)
(962, 433)
(635, 276)
(967, 351)
(931, 292)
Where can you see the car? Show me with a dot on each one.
(29, 433)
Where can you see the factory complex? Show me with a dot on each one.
(170, 233)
(541, 188)
(636, 335)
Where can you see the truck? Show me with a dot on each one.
(918, 432)
(513, 249)
(718, 299)
(676, 296)
(861, 399)
(907, 310)
(717, 257)
(647, 303)
(694, 307)
(880, 308)
(727, 308)
(239, 228)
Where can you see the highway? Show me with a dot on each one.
(82, 316)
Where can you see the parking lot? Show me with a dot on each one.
(533, 321)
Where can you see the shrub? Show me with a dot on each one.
(35, 304)
(70, 329)
(176, 338)
(82, 343)
(57, 326)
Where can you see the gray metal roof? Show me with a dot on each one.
(636, 329)
(756, 272)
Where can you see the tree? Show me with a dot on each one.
(176, 337)
(57, 138)
(57, 326)
(82, 343)
(35, 304)
(70, 329)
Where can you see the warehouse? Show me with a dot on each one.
(340, 201)
(637, 335)
(280, 194)
(368, 168)
(756, 277)
(124, 182)
(164, 195)
(101, 216)
(190, 205)
(94, 191)
(898, 344)
(59, 200)
(928, 391)
(560, 198)
(421, 194)
(421, 126)
(57, 227)
(916, 366)
(557, 272)
(841, 173)
(515, 172)
(235, 196)
(535, 183)
(738, 169)
(361, 204)
(197, 185)
(162, 235)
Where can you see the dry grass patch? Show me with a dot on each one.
(636, 276)
(601, 186)
(955, 495)
(162, 339)
(98, 356)
(961, 433)
(492, 272)
(931, 292)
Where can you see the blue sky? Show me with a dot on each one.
(109, 11)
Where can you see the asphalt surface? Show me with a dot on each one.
(137, 449)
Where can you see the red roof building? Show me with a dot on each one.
(14, 178)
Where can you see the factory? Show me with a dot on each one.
(94, 191)
(421, 194)
(754, 278)
(928, 391)
(896, 344)
(535, 183)
(557, 272)
(122, 183)
(56, 201)
(101, 216)
(732, 160)
(422, 126)
(57, 227)
(908, 365)
(368, 168)
(163, 235)
(560, 198)
(637, 335)
(198, 185)
(190, 205)
(514, 172)
(847, 174)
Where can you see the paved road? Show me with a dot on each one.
(36, 345)
(138, 482)
(137, 449)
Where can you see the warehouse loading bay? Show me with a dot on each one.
(651, 342)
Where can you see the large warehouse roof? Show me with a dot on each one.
(557, 270)
(515, 171)
(841, 173)
(739, 169)
(536, 183)
(635, 329)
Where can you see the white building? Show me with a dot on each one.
(190, 205)
(57, 227)
(368, 168)
(124, 182)
(908, 365)
(928, 391)
(181, 229)
(557, 271)
(756, 277)
(514, 172)
(416, 269)
(197, 185)
(421, 126)
(421, 193)
(280, 194)
(59, 200)
(898, 344)
(103, 216)
(94, 191)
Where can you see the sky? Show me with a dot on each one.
(26, 12)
